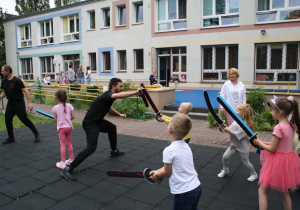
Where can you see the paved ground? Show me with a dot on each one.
(30, 180)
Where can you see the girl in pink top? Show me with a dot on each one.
(63, 114)
(280, 163)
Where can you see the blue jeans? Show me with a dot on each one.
(80, 80)
(71, 81)
(188, 200)
(88, 80)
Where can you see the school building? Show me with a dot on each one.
(129, 39)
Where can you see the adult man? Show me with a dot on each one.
(80, 75)
(13, 88)
(93, 123)
(71, 74)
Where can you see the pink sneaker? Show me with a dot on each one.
(68, 162)
(61, 165)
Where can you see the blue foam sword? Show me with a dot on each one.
(239, 120)
(44, 113)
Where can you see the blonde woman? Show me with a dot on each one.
(234, 93)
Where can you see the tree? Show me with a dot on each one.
(27, 6)
(2, 40)
(59, 3)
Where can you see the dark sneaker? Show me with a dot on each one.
(37, 138)
(296, 190)
(116, 153)
(68, 175)
(8, 141)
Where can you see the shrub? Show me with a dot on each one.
(129, 107)
(126, 85)
(257, 99)
(264, 121)
(212, 122)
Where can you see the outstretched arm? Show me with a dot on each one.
(3, 94)
(124, 94)
(271, 147)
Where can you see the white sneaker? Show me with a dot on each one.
(252, 178)
(223, 173)
(61, 165)
(68, 162)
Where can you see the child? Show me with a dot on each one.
(280, 163)
(184, 108)
(239, 142)
(179, 165)
(63, 114)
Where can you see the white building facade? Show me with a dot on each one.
(200, 39)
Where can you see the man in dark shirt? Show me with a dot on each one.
(13, 88)
(93, 123)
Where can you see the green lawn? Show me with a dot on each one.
(35, 120)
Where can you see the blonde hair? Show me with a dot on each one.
(233, 71)
(181, 125)
(187, 106)
(247, 111)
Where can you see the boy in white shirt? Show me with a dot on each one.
(179, 165)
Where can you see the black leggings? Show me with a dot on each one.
(19, 109)
(92, 130)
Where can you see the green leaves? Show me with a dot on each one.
(27, 6)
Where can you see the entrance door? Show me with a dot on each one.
(164, 70)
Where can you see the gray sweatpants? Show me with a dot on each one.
(245, 159)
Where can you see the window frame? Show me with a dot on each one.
(90, 62)
(104, 16)
(207, 21)
(72, 35)
(273, 15)
(48, 39)
(44, 67)
(118, 19)
(168, 23)
(284, 56)
(26, 41)
(24, 72)
(104, 61)
(220, 71)
(89, 20)
(135, 60)
(119, 60)
(136, 6)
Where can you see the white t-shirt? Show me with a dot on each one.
(184, 177)
(88, 74)
(233, 94)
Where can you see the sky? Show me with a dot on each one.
(9, 5)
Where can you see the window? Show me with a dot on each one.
(26, 68)
(220, 13)
(106, 17)
(106, 62)
(122, 60)
(121, 15)
(46, 30)
(217, 60)
(25, 36)
(92, 23)
(71, 59)
(47, 67)
(93, 62)
(171, 15)
(277, 61)
(139, 60)
(277, 10)
(71, 28)
(139, 14)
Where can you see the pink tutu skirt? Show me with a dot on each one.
(280, 171)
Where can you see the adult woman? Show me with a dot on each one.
(234, 93)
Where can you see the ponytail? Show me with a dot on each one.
(295, 117)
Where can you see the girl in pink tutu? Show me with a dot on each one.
(280, 163)
(63, 114)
